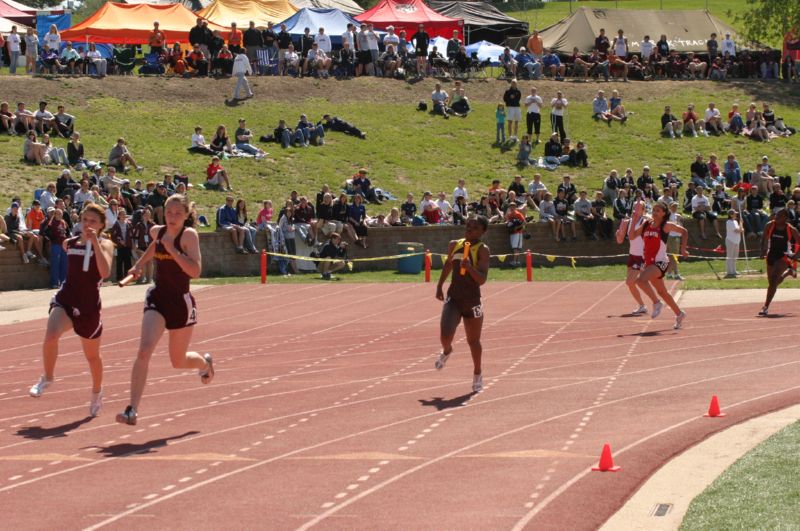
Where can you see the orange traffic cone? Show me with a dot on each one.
(713, 408)
(606, 463)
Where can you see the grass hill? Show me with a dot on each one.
(405, 150)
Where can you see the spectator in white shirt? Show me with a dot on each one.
(43, 119)
(324, 41)
(13, 42)
(733, 236)
(533, 116)
(701, 211)
(728, 46)
(53, 39)
(460, 191)
(241, 69)
(713, 119)
(349, 36)
(444, 205)
(94, 57)
(199, 143)
(537, 189)
(83, 196)
(391, 38)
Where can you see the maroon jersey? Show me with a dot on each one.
(170, 277)
(57, 231)
(82, 288)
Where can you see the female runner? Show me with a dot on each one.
(77, 303)
(464, 295)
(635, 252)
(655, 232)
(777, 249)
(175, 248)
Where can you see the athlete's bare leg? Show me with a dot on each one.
(57, 323)
(775, 275)
(448, 325)
(663, 292)
(473, 327)
(630, 281)
(643, 282)
(178, 344)
(91, 349)
(153, 327)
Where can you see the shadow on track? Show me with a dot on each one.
(38, 432)
(126, 449)
(440, 403)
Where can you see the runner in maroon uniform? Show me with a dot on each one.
(779, 247)
(654, 233)
(77, 303)
(169, 305)
(470, 270)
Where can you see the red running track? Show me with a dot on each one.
(326, 411)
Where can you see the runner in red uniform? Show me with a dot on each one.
(169, 305)
(654, 232)
(77, 303)
(464, 295)
(779, 251)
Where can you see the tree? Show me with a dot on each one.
(85, 10)
(769, 20)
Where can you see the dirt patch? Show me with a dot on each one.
(79, 90)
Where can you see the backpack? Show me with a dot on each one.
(422, 106)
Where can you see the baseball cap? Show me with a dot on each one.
(14, 205)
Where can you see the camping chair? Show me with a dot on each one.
(266, 62)
(152, 65)
(124, 60)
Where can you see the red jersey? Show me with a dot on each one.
(169, 275)
(655, 243)
(82, 288)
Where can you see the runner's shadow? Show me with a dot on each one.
(233, 102)
(440, 403)
(38, 432)
(126, 449)
(776, 316)
(652, 333)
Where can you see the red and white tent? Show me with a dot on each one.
(408, 15)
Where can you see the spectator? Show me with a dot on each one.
(674, 242)
(140, 237)
(241, 69)
(43, 120)
(287, 229)
(712, 47)
(578, 157)
(563, 219)
(286, 136)
(409, 209)
(311, 133)
(32, 150)
(199, 143)
(70, 58)
(670, 125)
(605, 226)
(552, 66)
(440, 99)
(6, 119)
(713, 120)
(511, 98)
(120, 156)
(701, 173)
(389, 61)
(16, 234)
(243, 138)
(357, 216)
(553, 151)
(645, 178)
(227, 221)
(460, 190)
(735, 122)
(600, 108)
(336, 124)
(599, 65)
(222, 58)
(421, 41)
(201, 36)
(253, 40)
(692, 122)
(777, 199)
(335, 251)
(601, 42)
(444, 206)
(57, 232)
(515, 223)
(23, 119)
(558, 108)
(157, 40)
(122, 237)
(326, 220)
(54, 155)
(249, 230)
(617, 108)
(733, 237)
(340, 213)
(754, 217)
(547, 213)
(64, 123)
(728, 46)
(500, 117)
(757, 128)
(304, 217)
(537, 189)
(430, 210)
(696, 67)
(611, 185)
(362, 186)
(216, 176)
(197, 61)
(525, 60)
(701, 211)
(580, 66)
(264, 215)
(221, 143)
(622, 205)
(235, 40)
(583, 212)
(317, 61)
(525, 150)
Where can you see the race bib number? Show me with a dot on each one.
(477, 311)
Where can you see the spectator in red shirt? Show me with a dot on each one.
(235, 39)
(157, 40)
(216, 175)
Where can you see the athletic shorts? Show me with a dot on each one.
(178, 311)
(662, 267)
(513, 114)
(364, 57)
(467, 309)
(635, 262)
(516, 240)
(85, 322)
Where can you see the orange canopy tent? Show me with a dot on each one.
(131, 24)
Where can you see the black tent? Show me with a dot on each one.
(482, 21)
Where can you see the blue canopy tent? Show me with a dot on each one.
(333, 20)
(487, 50)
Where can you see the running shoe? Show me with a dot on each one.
(679, 320)
(127, 417)
(38, 388)
(657, 309)
(207, 374)
(764, 312)
(477, 383)
(96, 403)
(641, 310)
(441, 361)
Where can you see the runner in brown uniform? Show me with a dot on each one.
(779, 247)
(464, 294)
(77, 303)
(169, 305)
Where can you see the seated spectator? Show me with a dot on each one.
(304, 217)
(702, 211)
(6, 119)
(50, 60)
(695, 66)
(227, 221)
(578, 157)
(335, 250)
(221, 143)
(94, 57)
(553, 151)
(547, 213)
(340, 214)
(311, 133)
(721, 201)
(777, 199)
(408, 209)
(731, 171)
(581, 66)
(755, 218)
(389, 61)
(326, 223)
(552, 66)
(110, 179)
(243, 221)
(64, 123)
(583, 212)
(445, 208)
(718, 70)
(735, 122)
(774, 123)
(83, 196)
(13, 228)
(617, 108)
(317, 61)
(670, 125)
(599, 64)
(537, 189)
(70, 58)
(524, 152)
(357, 217)
(508, 62)
(222, 62)
(199, 143)
(216, 176)
(32, 150)
(713, 120)
(54, 155)
(264, 215)
(622, 205)
(43, 119)
(75, 153)
(24, 120)
(570, 193)
(757, 129)
(459, 101)
(563, 219)
(336, 124)
(362, 186)
(701, 173)
(692, 122)
(611, 185)
(440, 100)
(156, 201)
(605, 226)
(600, 108)
(430, 210)
(529, 64)
(287, 137)
(243, 138)
(120, 156)
(196, 60)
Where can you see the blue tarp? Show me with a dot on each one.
(487, 50)
(43, 23)
(333, 20)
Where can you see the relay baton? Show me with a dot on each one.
(464, 257)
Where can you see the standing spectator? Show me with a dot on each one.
(601, 42)
(243, 138)
(674, 242)
(558, 109)
(533, 117)
(460, 191)
(241, 69)
(140, 240)
(253, 41)
(235, 38)
(535, 46)
(198, 36)
(13, 41)
(728, 46)
(511, 98)
(712, 47)
(284, 39)
(515, 223)
(287, 229)
(323, 41)
(421, 41)
(227, 222)
(31, 51)
(500, 117)
(157, 40)
(733, 237)
(122, 237)
(270, 39)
